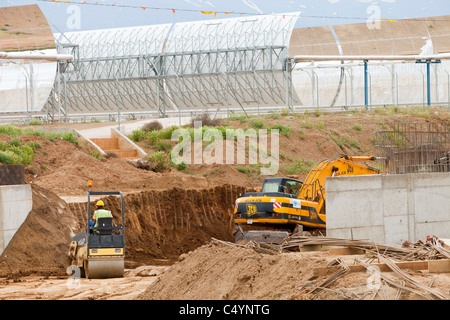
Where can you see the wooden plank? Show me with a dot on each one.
(313, 247)
(439, 266)
(411, 265)
(345, 251)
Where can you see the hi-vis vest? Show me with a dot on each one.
(101, 213)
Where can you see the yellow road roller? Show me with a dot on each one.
(99, 251)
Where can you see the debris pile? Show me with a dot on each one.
(226, 270)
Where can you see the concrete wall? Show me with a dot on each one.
(389, 209)
(15, 204)
(125, 143)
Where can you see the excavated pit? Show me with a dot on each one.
(160, 225)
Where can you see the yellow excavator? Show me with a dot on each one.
(99, 251)
(271, 214)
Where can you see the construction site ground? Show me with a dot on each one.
(179, 242)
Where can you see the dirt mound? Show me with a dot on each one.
(219, 271)
(40, 245)
(224, 271)
(65, 169)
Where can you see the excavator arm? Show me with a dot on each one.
(313, 188)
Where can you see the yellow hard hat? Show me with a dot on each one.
(100, 203)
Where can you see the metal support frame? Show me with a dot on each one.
(366, 86)
(428, 62)
(187, 80)
(183, 67)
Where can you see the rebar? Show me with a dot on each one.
(414, 148)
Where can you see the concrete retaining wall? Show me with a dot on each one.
(126, 143)
(389, 209)
(15, 204)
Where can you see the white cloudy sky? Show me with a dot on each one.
(313, 12)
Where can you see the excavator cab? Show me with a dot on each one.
(99, 251)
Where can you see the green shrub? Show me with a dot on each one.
(68, 136)
(257, 124)
(10, 130)
(35, 122)
(285, 131)
(5, 157)
(158, 158)
(243, 170)
(137, 136)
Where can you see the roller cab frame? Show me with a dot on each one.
(99, 252)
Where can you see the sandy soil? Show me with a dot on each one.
(129, 287)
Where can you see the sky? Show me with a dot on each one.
(105, 14)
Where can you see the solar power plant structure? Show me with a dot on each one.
(220, 64)
(25, 85)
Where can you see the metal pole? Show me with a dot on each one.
(366, 87)
(428, 83)
(287, 83)
(65, 99)
(117, 101)
(448, 88)
(59, 90)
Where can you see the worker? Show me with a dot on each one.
(100, 212)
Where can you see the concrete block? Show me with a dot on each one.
(438, 229)
(432, 179)
(15, 204)
(395, 202)
(402, 207)
(348, 183)
(432, 204)
(354, 208)
(344, 233)
(396, 229)
(373, 233)
(399, 181)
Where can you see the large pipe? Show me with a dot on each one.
(24, 56)
(300, 58)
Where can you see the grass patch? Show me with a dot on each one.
(299, 166)
(285, 131)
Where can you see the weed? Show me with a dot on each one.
(300, 166)
(285, 131)
(257, 124)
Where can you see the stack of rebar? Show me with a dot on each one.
(432, 249)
